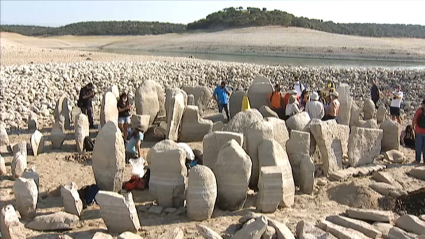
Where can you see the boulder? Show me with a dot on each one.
(391, 137)
(381, 114)
(114, 90)
(354, 224)
(270, 186)
(71, 199)
(397, 233)
(370, 215)
(235, 103)
(368, 109)
(2, 166)
(37, 142)
(395, 156)
(207, 233)
(26, 195)
(147, 100)
(193, 127)
(54, 222)
(418, 172)
(118, 212)
(129, 235)
(305, 230)
(168, 176)
(62, 109)
(108, 160)
(163, 146)
(11, 227)
(364, 145)
(411, 224)
(242, 120)
(140, 120)
(214, 141)
(254, 230)
(57, 135)
(4, 139)
(258, 94)
(267, 112)
(201, 193)
(108, 109)
(355, 115)
(30, 173)
(298, 121)
(32, 122)
(346, 102)
(82, 130)
(173, 233)
(232, 171)
(282, 230)
(202, 96)
(175, 110)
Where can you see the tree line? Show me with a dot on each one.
(228, 18)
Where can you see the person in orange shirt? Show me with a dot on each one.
(276, 101)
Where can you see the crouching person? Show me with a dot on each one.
(133, 148)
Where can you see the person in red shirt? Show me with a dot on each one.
(418, 126)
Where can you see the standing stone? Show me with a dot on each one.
(109, 158)
(298, 147)
(191, 100)
(32, 122)
(168, 176)
(62, 110)
(280, 131)
(329, 145)
(108, 109)
(175, 110)
(193, 127)
(201, 193)
(258, 93)
(2, 166)
(267, 112)
(147, 102)
(346, 103)
(369, 124)
(381, 114)
(270, 186)
(235, 103)
(141, 121)
(114, 90)
(4, 139)
(82, 130)
(30, 173)
(19, 164)
(368, 109)
(11, 227)
(74, 114)
(260, 80)
(214, 141)
(161, 98)
(242, 120)
(298, 121)
(391, 137)
(364, 145)
(202, 96)
(37, 142)
(270, 153)
(232, 171)
(57, 135)
(26, 195)
(307, 169)
(163, 145)
(118, 212)
(355, 115)
(71, 199)
(254, 230)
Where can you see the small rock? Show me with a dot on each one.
(207, 233)
(155, 210)
(129, 235)
(322, 182)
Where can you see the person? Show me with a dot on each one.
(221, 96)
(299, 87)
(133, 148)
(407, 138)
(314, 107)
(305, 98)
(418, 125)
(275, 100)
(85, 102)
(397, 97)
(333, 107)
(374, 92)
(292, 107)
(123, 114)
(289, 94)
(326, 93)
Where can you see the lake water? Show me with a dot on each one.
(294, 61)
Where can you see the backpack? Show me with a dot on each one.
(88, 144)
(421, 120)
(88, 194)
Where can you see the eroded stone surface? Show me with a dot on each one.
(26, 195)
(71, 199)
(364, 145)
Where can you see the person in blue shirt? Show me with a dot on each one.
(221, 96)
(133, 148)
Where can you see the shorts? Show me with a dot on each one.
(124, 120)
(395, 111)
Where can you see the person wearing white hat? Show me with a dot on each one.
(288, 94)
(333, 107)
(314, 107)
(292, 108)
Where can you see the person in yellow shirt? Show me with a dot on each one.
(275, 100)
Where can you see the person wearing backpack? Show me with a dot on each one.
(276, 101)
(418, 126)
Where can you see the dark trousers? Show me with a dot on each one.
(89, 112)
(226, 109)
(375, 101)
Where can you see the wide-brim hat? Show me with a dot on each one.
(291, 92)
(314, 96)
(334, 93)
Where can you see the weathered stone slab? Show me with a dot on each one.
(193, 127)
(346, 102)
(4, 139)
(57, 135)
(307, 170)
(418, 173)
(202, 96)
(175, 110)
(397, 233)
(54, 222)
(62, 109)
(395, 156)
(385, 177)
(258, 93)
(101, 235)
(381, 114)
(242, 120)
(30, 173)
(213, 142)
(368, 109)
(298, 121)
(253, 231)
(282, 230)
(387, 189)
(11, 227)
(270, 153)
(82, 130)
(270, 186)
(173, 233)
(235, 103)
(357, 225)
(411, 223)
(168, 176)
(207, 233)
(391, 137)
(201, 193)
(147, 101)
(26, 195)
(305, 230)
(140, 121)
(108, 109)
(109, 158)
(232, 171)
(384, 228)
(364, 145)
(19, 161)
(118, 212)
(71, 199)
(215, 117)
(370, 215)
(339, 231)
(267, 112)
(298, 147)
(37, 142)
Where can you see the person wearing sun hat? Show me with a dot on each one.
(314, 107)
(333, 107)
(288, 94)
(133, 148)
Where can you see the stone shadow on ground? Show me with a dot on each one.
(80, 235)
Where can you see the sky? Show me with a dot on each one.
(61, 12)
